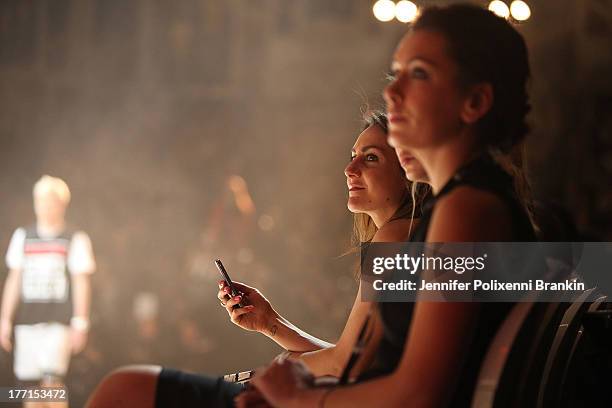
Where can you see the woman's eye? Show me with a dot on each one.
(371, 157)
(419, 73)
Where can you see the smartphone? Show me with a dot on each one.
(233, 290)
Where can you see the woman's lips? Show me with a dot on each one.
(406, 160)
(354, 188)
(395, 118)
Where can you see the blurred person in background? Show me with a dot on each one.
(46, 300)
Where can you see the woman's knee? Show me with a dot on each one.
(129, 386)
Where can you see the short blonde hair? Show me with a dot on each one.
(49, 184)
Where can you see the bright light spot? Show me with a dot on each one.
(265, 222)
(500, 8)
(520, 10)
(384, 10)
(145, 306)
(406, 11)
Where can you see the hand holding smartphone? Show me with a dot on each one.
(233, 290)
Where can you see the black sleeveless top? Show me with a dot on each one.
(483, 174)
(45, 280)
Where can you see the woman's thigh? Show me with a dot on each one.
(157, 387)
(130, 386)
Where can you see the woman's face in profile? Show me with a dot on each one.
(374, 178)
(423, 99)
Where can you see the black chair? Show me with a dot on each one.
(512, 369)
(562, 348)
(497, 356)
(581, 379)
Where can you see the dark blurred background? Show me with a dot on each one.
(194, 129)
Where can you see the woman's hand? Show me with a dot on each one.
(286, 383)
(256, 314)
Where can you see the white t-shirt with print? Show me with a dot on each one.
(80, 254)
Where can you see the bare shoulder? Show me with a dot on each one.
(394, 231)
(470, 214)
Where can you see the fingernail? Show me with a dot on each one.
(237, 298)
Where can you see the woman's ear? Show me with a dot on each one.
(478, 102)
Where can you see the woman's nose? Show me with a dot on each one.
(352, 169)
(391, 94)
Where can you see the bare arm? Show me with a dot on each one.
(11, 295)
(81, 263)
(331, 361)
(259, 315)
(292, 338)
(423, 378)
(10, 299)
(81, 299)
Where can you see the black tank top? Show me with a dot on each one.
(45, 279)
(483, 174)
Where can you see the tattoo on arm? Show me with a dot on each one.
(273, 330)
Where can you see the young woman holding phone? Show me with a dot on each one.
(381, 199)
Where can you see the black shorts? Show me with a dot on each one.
(186, 390)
